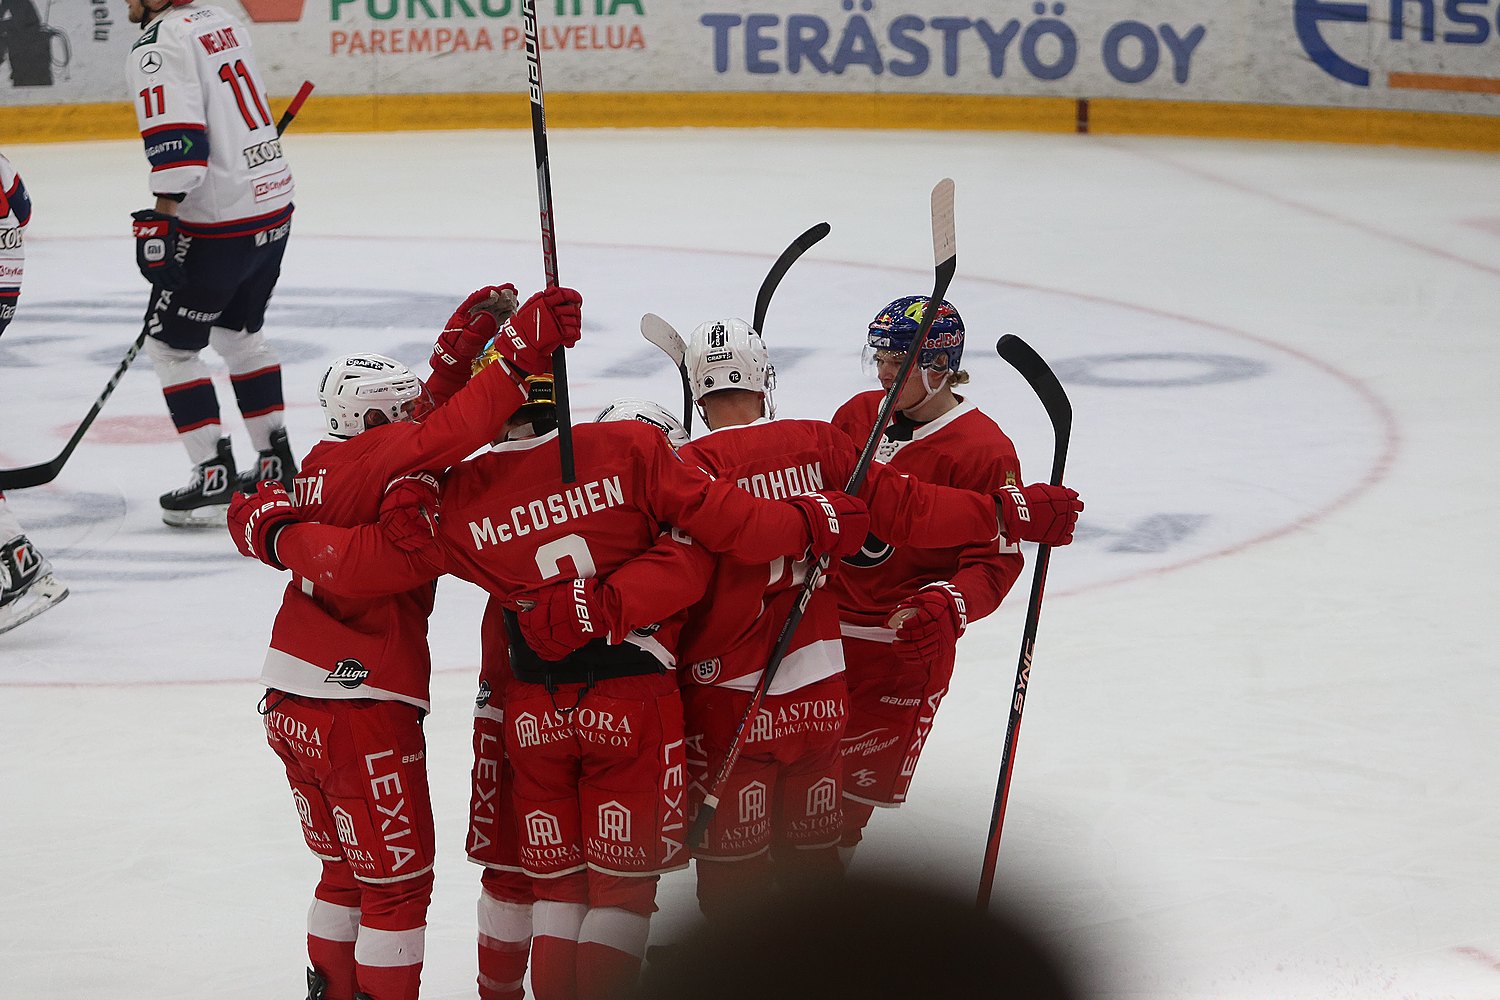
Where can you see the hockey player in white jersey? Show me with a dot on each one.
(27, 586)
(212, 244)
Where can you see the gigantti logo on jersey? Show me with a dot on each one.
(445, 27)
(1432, 38)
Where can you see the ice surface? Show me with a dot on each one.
(1258, 759)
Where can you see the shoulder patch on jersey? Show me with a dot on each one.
(706, 671)
(148, 37)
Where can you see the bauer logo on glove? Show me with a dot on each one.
(1022, 512)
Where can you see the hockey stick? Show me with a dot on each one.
(549, 242)
(1055, 401)
(294, 107)
(39, 475)
(788, 257)
(659, 332)
(945, 256)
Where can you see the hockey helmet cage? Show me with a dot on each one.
(895, 326)
(728, 354)
(358, 385)
(647, 412)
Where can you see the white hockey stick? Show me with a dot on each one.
(659, 332)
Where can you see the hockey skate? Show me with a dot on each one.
(27, 586)
(204, 502)
(276, 462)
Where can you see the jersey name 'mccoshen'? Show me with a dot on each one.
(557, 508)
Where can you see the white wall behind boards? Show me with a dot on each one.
(1425, 55)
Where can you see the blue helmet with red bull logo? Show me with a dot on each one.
(895, 326)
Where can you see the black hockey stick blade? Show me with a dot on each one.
(1048, 389)
(1054, 400)
(38, 475)
(788, 257)
(659, 332)
(945, 257)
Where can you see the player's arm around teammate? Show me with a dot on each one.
(347, 675)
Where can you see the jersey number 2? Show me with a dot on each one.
(228, 72)
(549, 557)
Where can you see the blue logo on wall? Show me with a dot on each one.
(1310, 15)
(1460, 22)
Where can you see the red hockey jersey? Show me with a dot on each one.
(330, 645)
(962, 448)
(509, 523)
(733, 629)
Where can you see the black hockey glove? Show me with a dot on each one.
(156, 249)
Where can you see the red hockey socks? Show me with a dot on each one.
(612, 940)
(856, 816)
(556, 917)
(505, 902)
(332, 926)
(611, 945)
(392, 938)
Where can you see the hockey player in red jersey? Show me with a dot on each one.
(595, 736)
(898, 675)
(781, 806)
(347, 676)
(507, 894)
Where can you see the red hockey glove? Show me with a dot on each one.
(471, 326)
(550, 319)
(837, 523)
(156, 249)
(409, 512)
(1039, 513)
(255, 519)
(564, 616)
(928, 625)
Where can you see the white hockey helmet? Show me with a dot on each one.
(646, 412)
(358, 385)
(729, 354)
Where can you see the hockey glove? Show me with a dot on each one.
(1040, 513)
(564, 616)
(928, 625)
(409, 512)
(550, 319)
(837, 523)
(156, 249)
(469, 328)
(255, 519)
